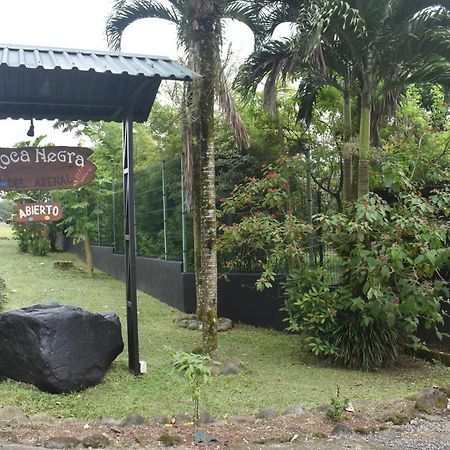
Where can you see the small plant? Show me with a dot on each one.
(338, 405)
(195, 369)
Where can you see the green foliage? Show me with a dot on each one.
(416, 146)
(394, 261)
(267, 235)
(274, 363)
(195, 369)
(6, 209)
(32, 238)
(338, 405)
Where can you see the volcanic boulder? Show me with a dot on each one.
(58, 348)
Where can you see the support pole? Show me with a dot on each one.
(130, 244)
(183, 216)
(164, 201)
(114, 213)
(309, 206)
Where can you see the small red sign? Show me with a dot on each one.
(37, 212)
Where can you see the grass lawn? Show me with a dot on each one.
(278, 375)
(5, 231)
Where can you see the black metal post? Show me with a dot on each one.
(319, 230)
(130, 244)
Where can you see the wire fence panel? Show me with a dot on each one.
(163, 228)
(159, 214)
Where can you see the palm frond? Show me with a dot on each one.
(311, 83)
(402, 11)
(339, 15)
(125, 13)
(259, 65)
(307, 95)
(232, 114)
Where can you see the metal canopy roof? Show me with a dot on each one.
(66, 84)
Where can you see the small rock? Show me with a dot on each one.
(43, 418)
(96, 440)
(109, 421)
(73, 422)
(134, 419)
(194, 325)
(224, 324)
(206, 418)
(341, 429)
(267, 413)
(241, 419)
(294, 411)
(362, 405)
(170, 440)
(431, 399)
(160, 420)
(61, 442)
(349, 408)
(181, 418)
(230, 368)
(8, 436)
(183, 323)
(445, 390)
(201, 436)
(12, 414)
(322, 408)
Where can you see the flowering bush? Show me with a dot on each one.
(395, 263)
(267, 235)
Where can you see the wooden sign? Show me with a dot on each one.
(45, 168)
(37, 212)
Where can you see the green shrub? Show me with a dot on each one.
(32, 238)
(394, 260)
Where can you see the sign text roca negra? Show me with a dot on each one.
(45, 168)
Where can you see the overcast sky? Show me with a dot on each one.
(80, 24)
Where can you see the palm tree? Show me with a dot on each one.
(391, 42)
(330, 66)
(199, 28)
(370, 49)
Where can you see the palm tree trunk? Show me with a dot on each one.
(347, 158)
(364, 146)
(355, 169)
(205, 57)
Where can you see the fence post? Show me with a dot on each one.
(183, 216)
(319, 230)
(98, 221)
(164, 194)
(309, 206)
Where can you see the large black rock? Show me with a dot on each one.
(58, 348)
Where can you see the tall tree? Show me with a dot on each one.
(199, 34)
(375, 46)
(392, 43)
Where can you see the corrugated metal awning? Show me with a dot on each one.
(67, 84)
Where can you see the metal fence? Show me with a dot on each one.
(164, 228)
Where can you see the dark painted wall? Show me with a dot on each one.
(237, 295)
